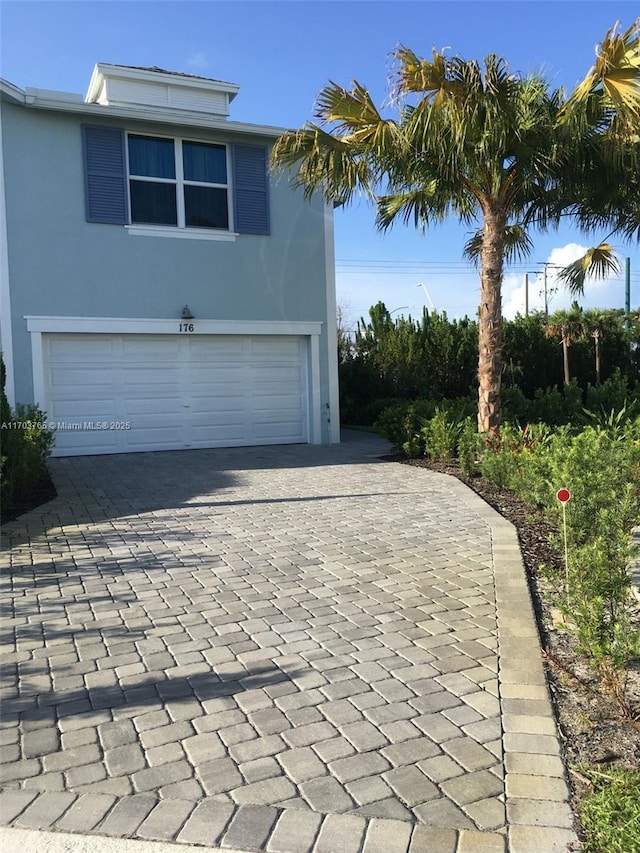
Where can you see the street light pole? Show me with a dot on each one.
(431, 305)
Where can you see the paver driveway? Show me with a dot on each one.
(287, 648)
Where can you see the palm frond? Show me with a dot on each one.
(598, 262)
(325, 163)
(518, 245)
(613, 82)
(431, 79)
(420, 206)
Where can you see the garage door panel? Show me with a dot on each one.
(291, 417)
(144, 395)
(151, 379)
(226, 435)
(76, 378)
(77, 407)
(276, 374)
(276, 433)
(205, 348)
(176, 391)
(148, 348)
(65, 348)
(88, 440)
(283, 406)
(218, 409)
(141, 406)
(216, 382)
(153, 438)
(274, 347)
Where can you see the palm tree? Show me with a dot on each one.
(611, 92)
(595, 325)
(569, 326)
(486, 145)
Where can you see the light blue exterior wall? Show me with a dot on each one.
(61, 265)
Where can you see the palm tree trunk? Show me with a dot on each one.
(565, 358)
(490, 320)
(596, 336)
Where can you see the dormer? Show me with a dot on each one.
(153, 88)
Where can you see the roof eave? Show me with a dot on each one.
(155, 115)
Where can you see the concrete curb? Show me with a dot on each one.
(539, 817)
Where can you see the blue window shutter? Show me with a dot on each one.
(250, 189)
(104, 169)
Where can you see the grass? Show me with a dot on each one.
(610, 814)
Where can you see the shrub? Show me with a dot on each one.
(26, 446)
(440, 436)
(611, 813)
(515, 406)
(600, 467)
(469, 443)
(402, 422)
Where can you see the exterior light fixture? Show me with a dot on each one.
(186, 313)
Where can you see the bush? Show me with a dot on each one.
(469, 444)
(600, 467)
(26, 446)
(441, 435)
(611, 813)
(404, 424)
(613, 394)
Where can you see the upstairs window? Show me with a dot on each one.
(179, 183)
(195, 189)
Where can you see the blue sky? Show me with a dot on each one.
(282, 53)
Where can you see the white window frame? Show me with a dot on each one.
(181, 229)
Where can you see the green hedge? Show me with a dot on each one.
(25, 447)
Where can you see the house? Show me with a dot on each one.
(160, 288)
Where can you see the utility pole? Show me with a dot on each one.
(627, 286)
(546, 295)
(526, 294)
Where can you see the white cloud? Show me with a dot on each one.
(602, 293)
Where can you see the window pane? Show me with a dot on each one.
(205, 207)
(153, 203)
(151, 157)
(205, 163)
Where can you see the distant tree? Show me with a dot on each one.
(529, 355)
(595, 324)
(569, 326)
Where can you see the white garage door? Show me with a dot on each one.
(111, 393)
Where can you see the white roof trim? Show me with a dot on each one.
(102, 70)
(157, 114)
(11, 92)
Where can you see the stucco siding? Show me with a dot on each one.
(60, 265)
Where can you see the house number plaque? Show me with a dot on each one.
(187, 327)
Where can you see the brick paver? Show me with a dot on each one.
(306, 637)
